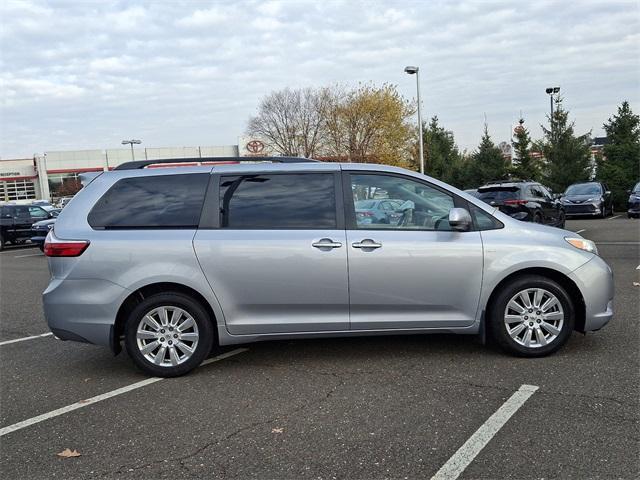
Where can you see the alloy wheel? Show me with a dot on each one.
(534, 317)
(167, 336)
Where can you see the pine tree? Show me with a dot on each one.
(442, 157)
(488, 162)
(619, 167)
(527, 167)
(568, 157)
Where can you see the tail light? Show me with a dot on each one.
(516, 202)
(55, 247)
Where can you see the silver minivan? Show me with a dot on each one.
(174, 262)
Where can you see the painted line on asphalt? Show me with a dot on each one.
(583, 230)
(472, 447)
(32, 337)
(617, 243)
(638, 267)
(98, 398)
(30, 255)
(615, 216)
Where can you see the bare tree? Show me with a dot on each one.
(291, 121)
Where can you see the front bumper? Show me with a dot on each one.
(82, 310)
(582, 208)
(595, 281)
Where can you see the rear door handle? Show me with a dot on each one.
(367, 243)
(326, 243)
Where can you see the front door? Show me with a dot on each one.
(415, 272)
(277, 261)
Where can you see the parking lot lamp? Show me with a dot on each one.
(132, 142)
(551, 91)
(411, 70)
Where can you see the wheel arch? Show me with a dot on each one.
(559, 277)
(117, 330)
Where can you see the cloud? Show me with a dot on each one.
(180, 73)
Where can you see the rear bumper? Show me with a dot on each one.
(82, 310)
(595, 281)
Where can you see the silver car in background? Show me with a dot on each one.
(174, 262)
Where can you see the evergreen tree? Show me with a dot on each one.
(527, 167)
(442, 157)
(488, 162)
(619, 167)
(568, 158)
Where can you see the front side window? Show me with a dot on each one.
(37, 212)
(278, 201)
(415, 205)
(162, 201)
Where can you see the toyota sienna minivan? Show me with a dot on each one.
(173, 262)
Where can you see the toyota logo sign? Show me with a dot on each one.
(255, 146)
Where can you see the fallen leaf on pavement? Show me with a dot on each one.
(277, 430)
(636, 284)
(66, 453)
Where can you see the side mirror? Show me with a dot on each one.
(460, 219)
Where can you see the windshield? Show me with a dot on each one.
(584, 189)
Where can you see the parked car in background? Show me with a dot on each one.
(16, 222)
(176, 261)
(633, 208)
(39, 230)
(588, 198)
(379, 211)
(524, 200)
(44, 204)
(64, 201)
(473, 192)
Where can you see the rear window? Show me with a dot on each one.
(498, 194)
(295, 201)
(163, 201)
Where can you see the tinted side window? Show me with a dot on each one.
(164, 201)
(300, 201)
(37, 212)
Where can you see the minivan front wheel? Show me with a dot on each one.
(532, 317)
(168, 334)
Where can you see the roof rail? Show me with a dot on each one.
(138, 164)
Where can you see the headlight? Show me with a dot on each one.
(582, 244)
(590, 200)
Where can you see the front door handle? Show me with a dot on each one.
(366, 243)
(326, 243)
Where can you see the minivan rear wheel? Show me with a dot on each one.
(168, 334)
(532, 316)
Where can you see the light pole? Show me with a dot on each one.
(131, 142)
(551, 91)
(411, 71)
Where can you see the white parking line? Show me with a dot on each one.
(30, 255)
(472, 447)
(98, 398)
(611, 218)
(583, 230)
(32, 337)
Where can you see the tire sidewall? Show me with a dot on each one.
(496, 316)
(194, 308)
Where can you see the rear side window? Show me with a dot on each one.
(295, 201)
(163, 201)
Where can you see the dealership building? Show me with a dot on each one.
(50, 175)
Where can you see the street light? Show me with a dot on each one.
(411, 71)
(551, 91)
(131, 142)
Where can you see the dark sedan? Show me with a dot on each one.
(588, 198)
(39, 230)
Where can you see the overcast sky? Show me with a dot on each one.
(84, 74)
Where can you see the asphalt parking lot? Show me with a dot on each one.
(382, 407)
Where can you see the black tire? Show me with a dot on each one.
(1, 243)
(537, 217)
(189, 305)
(496, 312)
(563, 220)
